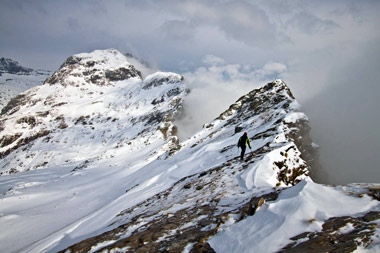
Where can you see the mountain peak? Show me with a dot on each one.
(13, 67)
(99, 91)
(108, 58)
(99, 67)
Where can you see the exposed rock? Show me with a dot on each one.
(30, 120)
(255, 203)
(335, 238)
(159, 79)
(14, 104)
(122, 74)
(21, 141)
(300, 134)
(238, 128)
(9, 139)
(12, 67)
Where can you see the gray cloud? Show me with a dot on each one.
(238, 20)
(309, 23)
(345, 119)
(24, 6)
(73, 24)
(225, 48)
(178, 30)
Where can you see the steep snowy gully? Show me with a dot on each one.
(90, 161)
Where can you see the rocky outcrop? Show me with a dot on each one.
(339, 234)
(160, 79)
(12, 67)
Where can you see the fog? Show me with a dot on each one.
(345, 121)
(216, 86)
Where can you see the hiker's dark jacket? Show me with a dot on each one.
(243, 141)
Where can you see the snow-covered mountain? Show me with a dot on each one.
(15, 79)
(90, 161)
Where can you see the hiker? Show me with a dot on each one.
(243, 144)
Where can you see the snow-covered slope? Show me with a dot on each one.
(95, 104)
(15, 79)
(91, 162)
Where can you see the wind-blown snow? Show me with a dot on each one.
(301, 208)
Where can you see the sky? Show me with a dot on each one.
(327, 51)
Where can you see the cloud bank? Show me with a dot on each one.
(216, 86)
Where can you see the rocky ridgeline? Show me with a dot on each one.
(12, 67)
(193, 210)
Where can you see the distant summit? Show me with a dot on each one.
(15, 79)
(12, 67)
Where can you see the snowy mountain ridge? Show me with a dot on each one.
(92, 97)
(12, 67)
(91, 162)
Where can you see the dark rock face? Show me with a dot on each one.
(15, 102)
(12, 67)
(164, 80)
(72, 60)
(333, 238)
(122, 74)
(19, 142)
(8, 139)
(340, 234)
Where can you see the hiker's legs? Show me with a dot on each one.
(242, 153)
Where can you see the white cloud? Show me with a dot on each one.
(212, 60)
(178, 30)
(239, 20)
(216, 86)
(273, 68)
(309, 23)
